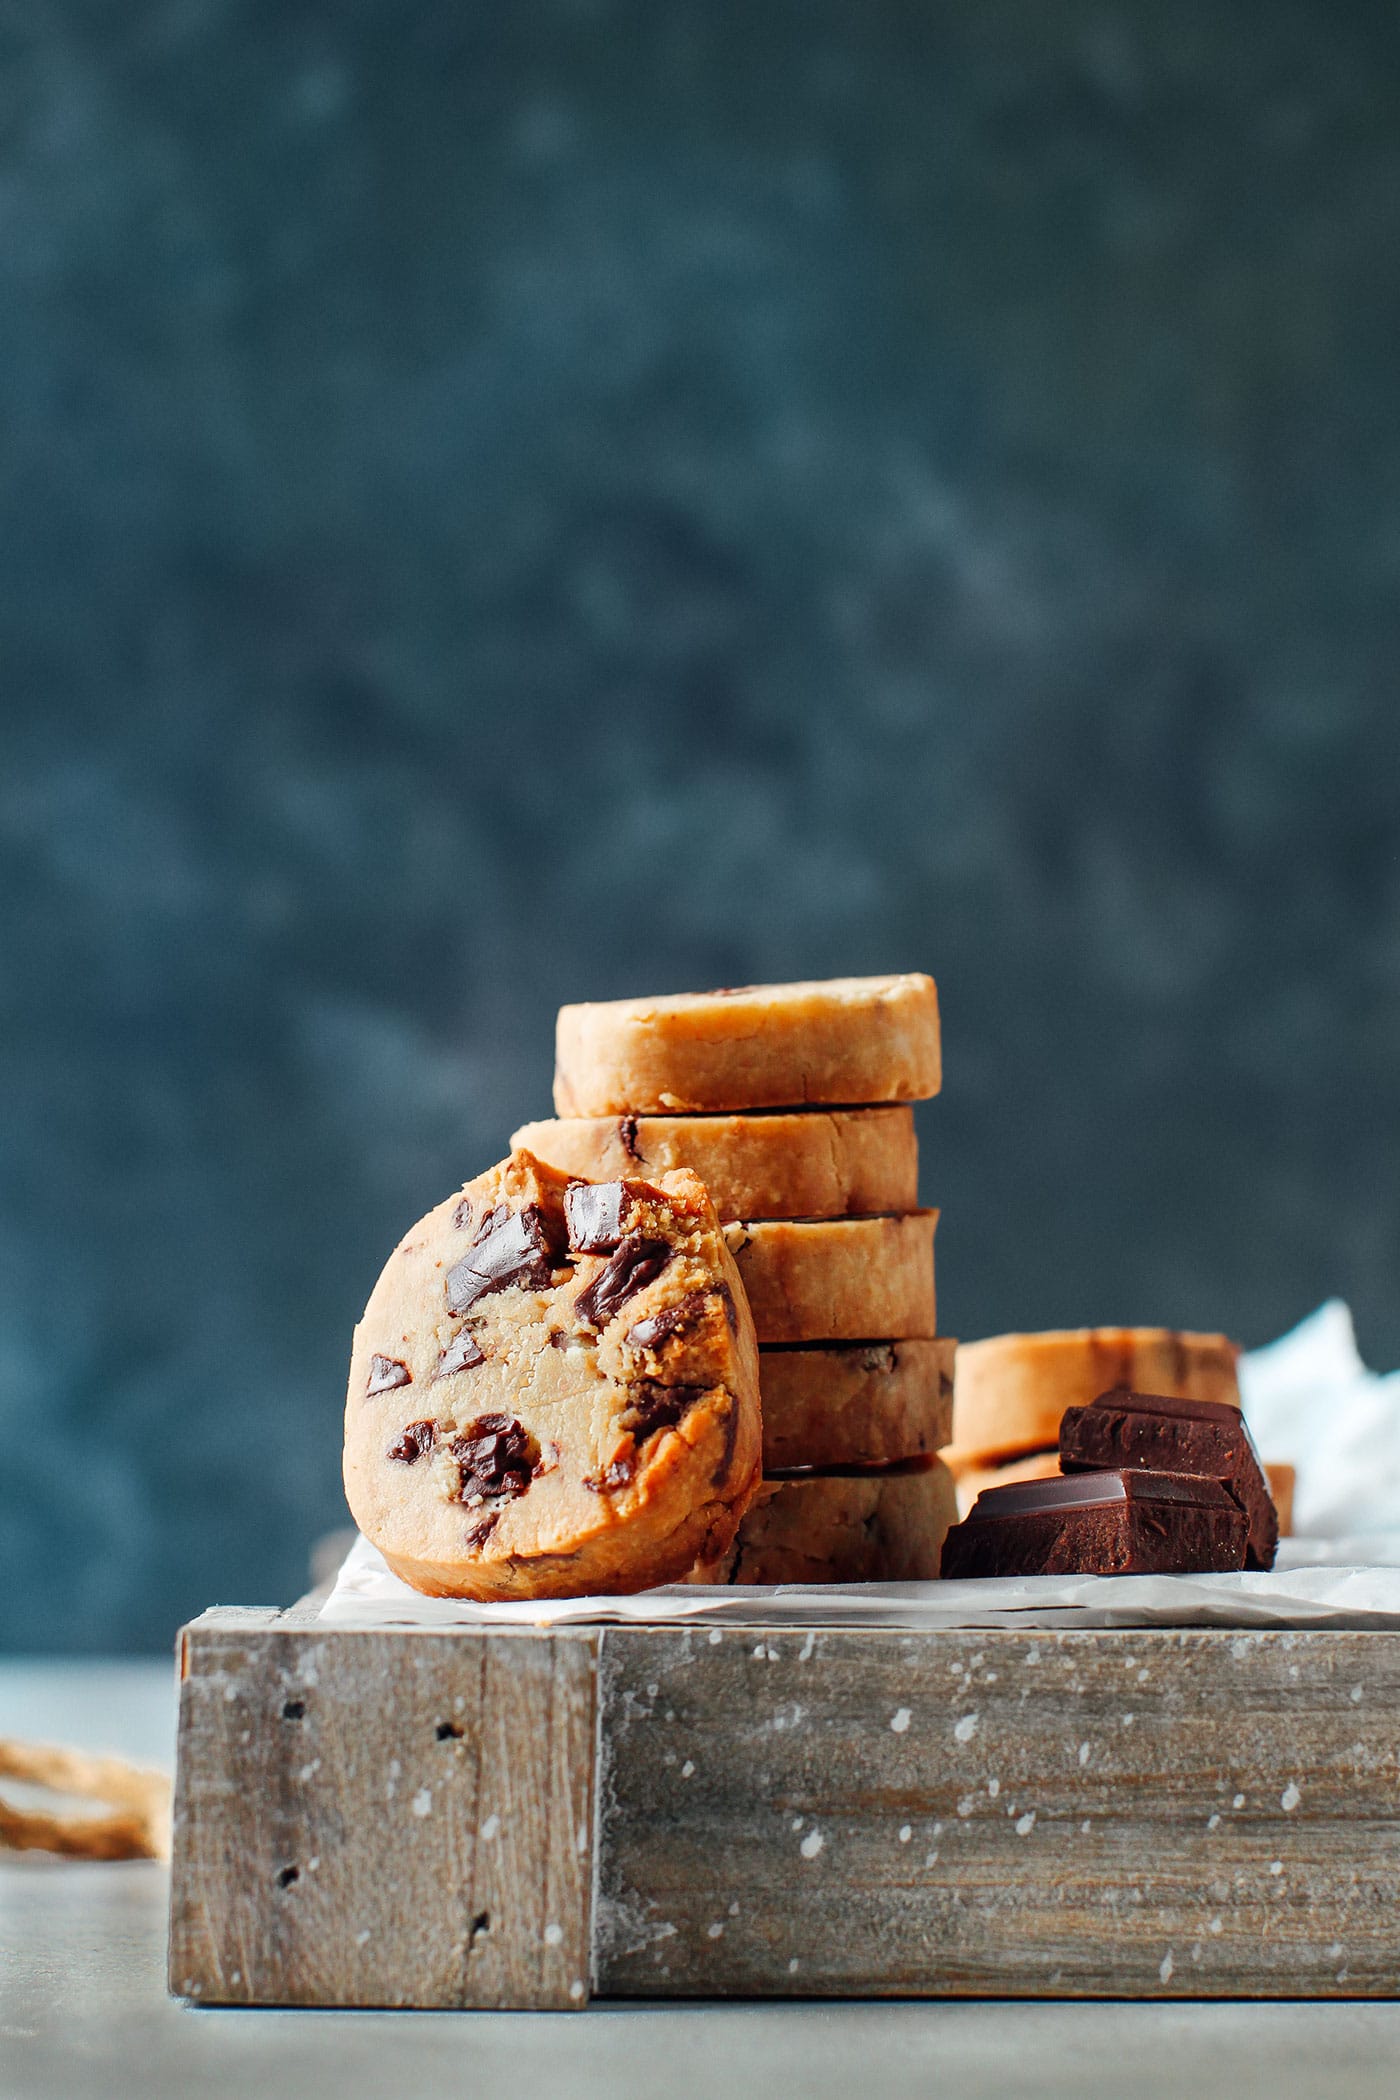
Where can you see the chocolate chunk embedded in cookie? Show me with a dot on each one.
(554, 1389)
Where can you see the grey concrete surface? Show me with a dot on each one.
(84, 2015)
(122, 1708)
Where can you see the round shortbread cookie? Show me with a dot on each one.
(554, 1389)
(1010, 1391)
(845, 1040)
(838, 1279)
(874, 1404)
(842, 1527)
(798, 1164)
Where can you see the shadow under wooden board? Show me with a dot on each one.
(537, 1818)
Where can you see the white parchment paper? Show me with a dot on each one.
(1332, 1594)
(1309, 1400)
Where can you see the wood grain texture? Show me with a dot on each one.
(382, 1818)
(1141, 1814)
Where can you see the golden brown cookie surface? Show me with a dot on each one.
(834, 1527)
(838, 1279)
(845, 1040)
(816, 1163)
(873, 1403)
(554, 1389)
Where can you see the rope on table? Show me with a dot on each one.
(137, 1827)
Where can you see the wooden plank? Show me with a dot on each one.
(381, 1818)
(1141, 1814)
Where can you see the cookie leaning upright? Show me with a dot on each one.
(554, 1389)
(847, 1040)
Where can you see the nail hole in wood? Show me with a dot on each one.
(287, 1876)
(448, 1730)
(293, 1709)
(480, 1923)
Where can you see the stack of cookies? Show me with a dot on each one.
(791, 1104)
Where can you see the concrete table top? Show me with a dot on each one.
(83, 2007)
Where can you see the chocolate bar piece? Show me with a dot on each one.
(1124, 1522)
(1206, 1438)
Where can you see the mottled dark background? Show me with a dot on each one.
(509, 504)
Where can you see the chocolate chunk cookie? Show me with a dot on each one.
(554, 1389)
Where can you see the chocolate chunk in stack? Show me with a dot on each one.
(791, 1104)
(1139, 1482)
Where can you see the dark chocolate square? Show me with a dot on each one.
(1122, 1521)
(1165, 1434)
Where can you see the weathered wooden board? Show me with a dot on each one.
(1139, 1814)
(382, 1819)
(760, 1813)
